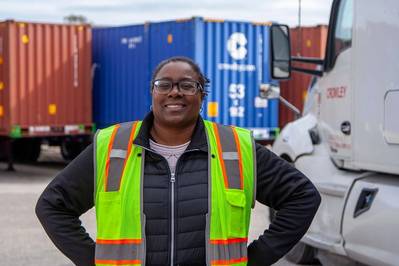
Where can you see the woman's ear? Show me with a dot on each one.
(203, 94)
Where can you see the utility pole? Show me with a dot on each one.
(299, 13)
(299, 30)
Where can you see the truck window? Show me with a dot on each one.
(343, 27)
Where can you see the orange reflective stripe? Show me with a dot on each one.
(228, 241)
(109, 152)
(215, 128)
(229, 262)
(239, 157)
(118, 241)
(118, 262)
(129, 149)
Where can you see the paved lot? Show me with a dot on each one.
(23, 241)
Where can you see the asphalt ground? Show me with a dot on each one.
(23, 240)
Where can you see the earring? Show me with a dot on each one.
(151, 107)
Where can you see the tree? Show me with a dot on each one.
(75, 19)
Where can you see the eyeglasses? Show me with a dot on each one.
(187, 87)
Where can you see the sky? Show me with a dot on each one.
(126, 12)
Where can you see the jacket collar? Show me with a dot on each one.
(198, 139)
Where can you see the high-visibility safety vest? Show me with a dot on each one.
(119, 167)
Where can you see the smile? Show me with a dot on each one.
(175, 106)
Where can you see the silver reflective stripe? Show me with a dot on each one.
(118, 251)
(207, 239)
(232, 251)
(95, 164)
(143, 218)
(118, 153)
(116, 163)
(230, 155)
(115, 173)
(228, 144)
(255, 169)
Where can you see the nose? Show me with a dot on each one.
(175, 89)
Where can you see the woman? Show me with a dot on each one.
(181, 194)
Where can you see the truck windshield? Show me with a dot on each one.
(343, 29)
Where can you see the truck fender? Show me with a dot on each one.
(295, 140)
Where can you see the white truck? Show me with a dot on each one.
(347, 141)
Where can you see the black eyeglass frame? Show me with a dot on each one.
(197, 88)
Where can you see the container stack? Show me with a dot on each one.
(45, 83)
(305, 42)
(233, 55)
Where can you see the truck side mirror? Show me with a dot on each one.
(280, 52)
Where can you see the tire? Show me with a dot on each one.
(302, 254)
(70, 149)
(26, 150)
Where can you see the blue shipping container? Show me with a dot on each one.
(233, 55)
(121, 90)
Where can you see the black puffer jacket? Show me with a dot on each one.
(279, 185)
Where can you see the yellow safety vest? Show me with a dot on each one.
(119, 174)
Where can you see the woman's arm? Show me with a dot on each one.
(285, 189)
(69, 195)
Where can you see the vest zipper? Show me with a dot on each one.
(172, 181)
(172, 244)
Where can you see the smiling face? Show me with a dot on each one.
(175, 109)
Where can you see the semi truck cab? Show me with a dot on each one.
(347, 142)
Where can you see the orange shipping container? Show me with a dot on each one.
(45, 79)
(306, 42)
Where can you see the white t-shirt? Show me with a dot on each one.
(171, 153)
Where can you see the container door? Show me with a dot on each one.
(49, 79)
(121, 74)
(3, 82)
(235, 57)
(172, 38)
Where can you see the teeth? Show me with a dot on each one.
(174, 105)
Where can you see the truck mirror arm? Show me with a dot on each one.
(308, 60)
(312, 72)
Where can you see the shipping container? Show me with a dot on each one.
(45, 81)
(306, 42)
(121, 76)
(233, 55)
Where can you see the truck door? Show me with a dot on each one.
(336, 86)
(334, 121)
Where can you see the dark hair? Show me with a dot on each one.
(202, 79)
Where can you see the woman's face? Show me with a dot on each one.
(175, 109)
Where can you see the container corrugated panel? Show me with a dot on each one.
(171, 38)
(46, 77)
(234, 56)
(4, 104)
(236, 59)
(122, 74)
(307, 42)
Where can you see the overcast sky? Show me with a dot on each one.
(124, 12)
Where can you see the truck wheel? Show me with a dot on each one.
(302, 254)
(26, 150)
(69, 150)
